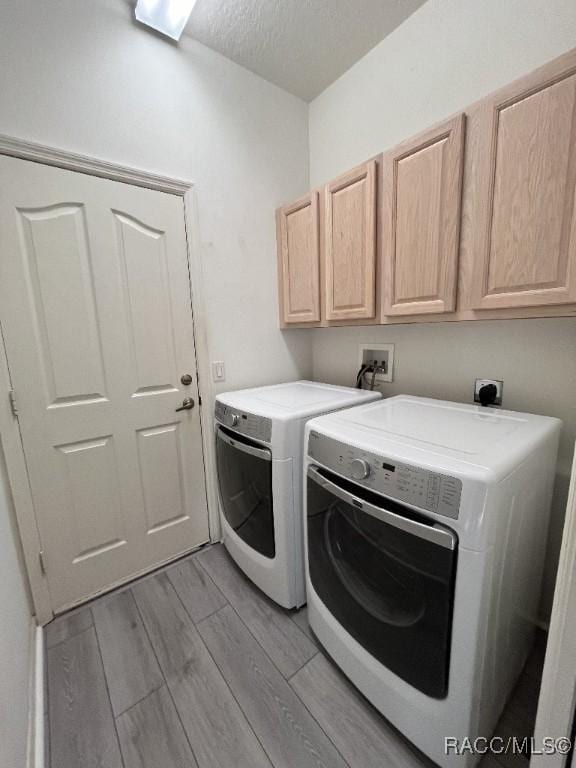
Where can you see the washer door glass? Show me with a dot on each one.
(245, 486)
(386, 574)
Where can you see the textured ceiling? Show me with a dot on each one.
(301, 45)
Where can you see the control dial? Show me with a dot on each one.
(231, 419)
(359, 469)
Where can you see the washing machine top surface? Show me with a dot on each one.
(296, 399)
(427, 431)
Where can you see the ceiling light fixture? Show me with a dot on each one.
(166, 16)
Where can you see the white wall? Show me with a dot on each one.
(15, 646)
(445, 56)
(80, 74)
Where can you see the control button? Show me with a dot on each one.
(231, 419)
(359, 469)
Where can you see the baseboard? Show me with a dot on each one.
(36, 699)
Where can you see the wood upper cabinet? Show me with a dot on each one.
(299, 261)
(421, 201)
(464, 226)
(523, 213)
(349, 237)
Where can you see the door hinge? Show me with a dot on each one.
(42, 562)
(13, 402)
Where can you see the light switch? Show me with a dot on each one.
(218, 370)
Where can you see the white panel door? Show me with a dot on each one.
(96, 312)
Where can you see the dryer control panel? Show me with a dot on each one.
(408, 483)
(258, 427)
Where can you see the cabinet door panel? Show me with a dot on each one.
(421, 199)
(350, 244)
(525, 237)
(299, 261)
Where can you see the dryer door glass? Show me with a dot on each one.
(245, 486)
(386, 574)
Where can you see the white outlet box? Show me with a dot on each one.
(383, 354)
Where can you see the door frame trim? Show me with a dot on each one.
(557, 701)
(9, 430)
(22, 505)
(72, 161)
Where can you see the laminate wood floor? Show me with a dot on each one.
(193, 667)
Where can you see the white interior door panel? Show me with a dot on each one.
(97, 319)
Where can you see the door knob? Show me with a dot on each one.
(187, 404)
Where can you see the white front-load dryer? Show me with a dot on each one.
(425, 531)
(259, 454)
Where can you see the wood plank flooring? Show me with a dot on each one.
(82, 730)
(130, 665)
(286, 644)
(193, 667)
(285, 728)
(151, 734)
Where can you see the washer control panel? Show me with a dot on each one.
(413, 485)
(258, 427)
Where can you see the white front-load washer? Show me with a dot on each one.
(425, 531)
(259, 450)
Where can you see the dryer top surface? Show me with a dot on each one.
(413, 426)
(296, 399)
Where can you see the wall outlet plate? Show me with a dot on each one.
(383, 354)
(498, 383)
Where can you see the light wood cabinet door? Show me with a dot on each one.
(350, 244)
(299, 261)
(524, 219)
(421, 200)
